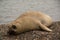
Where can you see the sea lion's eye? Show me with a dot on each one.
(13, 26)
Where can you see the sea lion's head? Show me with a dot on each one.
(14, 28)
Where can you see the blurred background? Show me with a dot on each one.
(11, 9)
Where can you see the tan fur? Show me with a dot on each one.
(44, 19)
(31, 20)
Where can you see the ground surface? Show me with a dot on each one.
(32, 35)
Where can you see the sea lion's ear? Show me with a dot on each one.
(13, 26)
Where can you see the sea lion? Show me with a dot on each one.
(29, 21)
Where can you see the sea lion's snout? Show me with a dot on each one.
(11, 30)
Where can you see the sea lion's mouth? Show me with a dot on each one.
(11, 32)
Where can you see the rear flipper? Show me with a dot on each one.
(42, 26)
